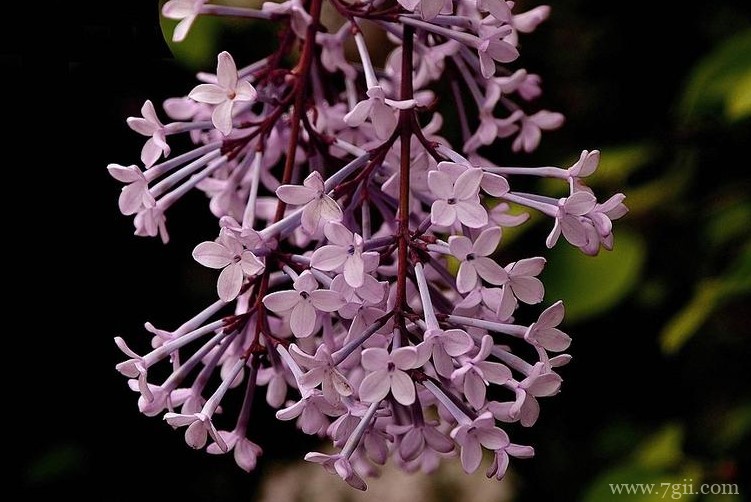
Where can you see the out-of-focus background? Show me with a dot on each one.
(658, 390)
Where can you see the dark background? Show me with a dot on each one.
(617, 70)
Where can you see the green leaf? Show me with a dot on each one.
(591, 285)
(662, 450)
(717, 83)
(738, 104)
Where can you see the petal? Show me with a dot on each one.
(281, 301)
(530, 290)
(375, 358)
(305, 282)
(314, 181)
(456, 342)
(471, 454)
(354, 270)
(328, 258)
(492, 439)
(337, 233)
(311, 217)
(472, 214)
(384, 120)
(440, 185)
(499, 9)
(553, 339)
(222, 117)
(490, 270)
(402, 387)
(182, 28)
(250, 264)
(302, 321)
(141, 126)
(230, 282)
(245, 92)
(466, 279)
(296, 194)
(326, 300)
(150, 153)
(487, 65)
(460, 246)
(329, 209)
(359, 113)
(545, 385)
(179, 420)
(226, 71)
(404, 357)
(210, 94)
(126, 174)
(579, 203)
(547, 120)
(246, 454)
(444, 366)
(196, 435)
(501, 51)
(431, 8)
(552, 316)
(487, 241)
(496, 373)
(411, 444)
(131, 198)
(474, 389)
(212, 254)
(437, 441)
(375, 387)
(527, 266)
(468, 184)
(443, 214)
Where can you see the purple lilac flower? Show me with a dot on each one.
(341, 210)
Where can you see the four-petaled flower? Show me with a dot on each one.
(150, 125)
(568, 219)
(312, 194)
(387, 375)
(235, 261)
(184, 11)
(472, 436)
(380, 109)
(475, 374)
(225, 93)
(457, 199)
(199, 428)
(339, 465)
(474, 259)
(135, 195)
(545, 333)
(345, 253)
(303, 303)
(321, 371)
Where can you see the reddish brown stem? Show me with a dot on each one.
(405, 126)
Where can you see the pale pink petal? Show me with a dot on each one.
(359, 113)
(246, 454)
(468, 184)
(328, 258)
(295, 194)
(341, 385)
(326, 300)
(499, 9)
(579, 203)
(150, 153)
(245, 92)
(222, 117)
(196, 435)
(545, 385)
(250, 264)
(302, 321)
(487, 65)
(329, 209)
(230, 282)
(456, 342)
(126, 174)
(487, 241)
(574, 230)
(179, 9)
(442, 362)
(404, 357)
(492, 439)
(226, 71)
(311, 217)
(141, 126)
(530, 290)
(440, 184)
(496, 373)
(460, 246)
(494, 184)
(471, 455)
(501, 51)
(384, 119)
(210, 94)
(520, 451)
(179, 420)
(375, 358)
(553, 339)
(281, 301)
(554, 234)
(431, 8)
(182, 29)
(552, 316)
(375, 387)
(528, 21)
(530, 411)
(466, 279)
(402, 388)
(437, 441)
(314, 181)
(131, 198)
(472, 214)
(474, 389)
(338, 234)
(305, 282)
(442, 213)
(212, 254)
(490, 270)
(527, 266)
(547, 120)
(354, 270)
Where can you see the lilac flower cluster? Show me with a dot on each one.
(355, 274)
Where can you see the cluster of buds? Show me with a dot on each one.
(356, 279)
